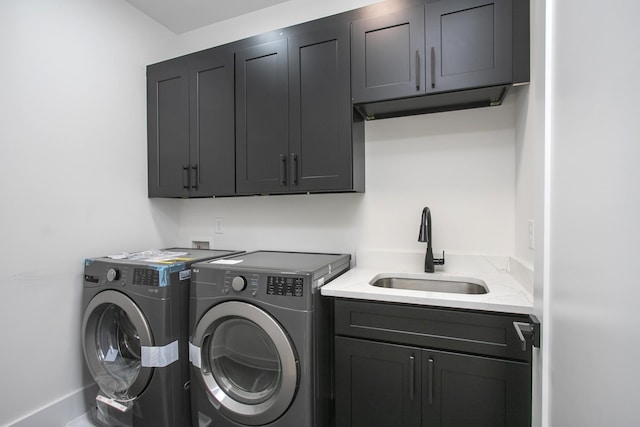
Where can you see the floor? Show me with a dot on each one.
(81, 421)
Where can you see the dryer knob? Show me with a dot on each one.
(239, 283)
(113, 274)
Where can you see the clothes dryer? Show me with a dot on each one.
(135, 335)
(262, 343)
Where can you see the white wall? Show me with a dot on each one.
(72, 178)
(460, 164)
(594, 203)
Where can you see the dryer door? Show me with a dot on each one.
(114, 329)
(248, 365)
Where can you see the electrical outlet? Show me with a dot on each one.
(531, 234)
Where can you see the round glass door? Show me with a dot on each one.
(114, 331)
(248, 363)
(244, 361)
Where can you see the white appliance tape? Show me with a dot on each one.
(194, 355)
(159, 357)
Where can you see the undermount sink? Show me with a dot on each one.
(455, 285)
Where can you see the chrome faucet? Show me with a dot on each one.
(425, 236)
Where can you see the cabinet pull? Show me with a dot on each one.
(294, 168)
(433, 67)
(430, 381)
(417, 70)
(283, 170)
(185, 177)
(194, 177)
(528, 332)
(412, 374)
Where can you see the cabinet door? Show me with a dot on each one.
(471, 391)
(212, 148)
(262, 128)
(377, 384)
(468, 44)
(388, 56)
(168, 129)
(320, 100)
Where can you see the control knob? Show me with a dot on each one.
(239, 283)
(113, 274)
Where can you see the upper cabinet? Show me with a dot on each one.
(262, 122)
(327, 139)
(295, 128)
(388, 56)
(442, 55)
(190, 126)
(283, 112)
(468, 44)
(168, 129)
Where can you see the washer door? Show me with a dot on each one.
(113, 333)
(248, 365)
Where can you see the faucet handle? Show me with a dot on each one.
(439, 261)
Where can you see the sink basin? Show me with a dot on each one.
(455, 285)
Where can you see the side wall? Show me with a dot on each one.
(594, 203)
(72, 179)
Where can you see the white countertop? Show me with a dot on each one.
(505, 293)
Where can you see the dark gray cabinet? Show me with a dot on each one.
(190, 126)
(377, 384)
(405, 365)
(283, 112)
(439, 56)
(168, 129)
(295, 128)
(468, 44)
(468, 391)
(388, 56)
(326, 139)
(262, 118)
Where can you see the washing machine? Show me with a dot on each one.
(262, 340)
(135, 335)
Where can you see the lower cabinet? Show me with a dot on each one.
(380, 382)
(377, 384)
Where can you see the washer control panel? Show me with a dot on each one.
(146, 277)
(285, 286)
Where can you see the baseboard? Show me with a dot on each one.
(63, 411)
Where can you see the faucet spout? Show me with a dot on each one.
(425, 227)
(425, 236)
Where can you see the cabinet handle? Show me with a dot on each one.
(412, 374)
(283, 170)
(433, 67)
(294, 168)
(528, 332)
(417, 70)
(430, 381)
(194, 177)
(185, 177)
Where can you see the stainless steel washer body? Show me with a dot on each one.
(262, 340)
(135, 335)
